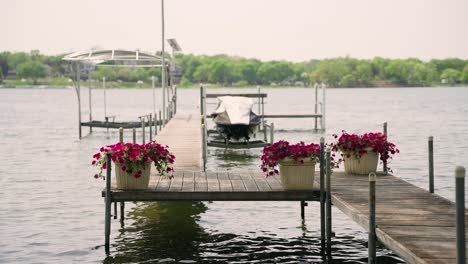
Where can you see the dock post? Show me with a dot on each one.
(150, 122)
(316, 103)
(431, 163)
(272, 133)
(107, 123)
(324, 108)
(122, 213)
(322, 193)
(329, 206)
(263, 112)
(258, 99)
(90, 108)
(372, 235)
(143, 129)
(155, 123)
(78, 94)
(460, 212)
(385, 168)
(264, 131)
(108, 200)
(175, 99)
(122, 204)
(160, 120)
(203, 146)
(134, 135)
(303, 205)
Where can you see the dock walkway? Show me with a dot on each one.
(183, 136)
(417, 225)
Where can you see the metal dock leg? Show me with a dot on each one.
(372, 235)
(122, 213)
(108, 204)
(329, 206)
(460, 213)
(430, 145)
(322, 193)
(303, 205)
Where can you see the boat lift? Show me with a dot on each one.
(122, 58)
(211, 138)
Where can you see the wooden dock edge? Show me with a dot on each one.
(383, 237)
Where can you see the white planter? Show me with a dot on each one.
(364, 165)
(297, 176)
(127, 181)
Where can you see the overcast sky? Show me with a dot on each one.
(295, 30)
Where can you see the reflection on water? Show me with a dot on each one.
(172, 232)
(226, 159)
(160, 230)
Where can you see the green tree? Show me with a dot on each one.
(4, 64)
(451, 75)
(275, 71)
(107, 72)
(331, 71)
(31, 69)
(15, 59)
(348, 80)
(248, 71)
(364, 73)
(201, 73)
(464, 77)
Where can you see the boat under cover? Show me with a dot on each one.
(234, 118)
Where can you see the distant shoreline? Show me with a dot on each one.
(220, 87)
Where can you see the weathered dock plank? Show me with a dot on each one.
(415, 224)
(214, 186)
(183, 136)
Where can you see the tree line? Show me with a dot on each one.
(237, 71)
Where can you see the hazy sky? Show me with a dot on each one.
(294, 30)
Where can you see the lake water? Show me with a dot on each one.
(51, 209)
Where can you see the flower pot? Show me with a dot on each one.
(296, 175)
(364, 165)
(126, 181)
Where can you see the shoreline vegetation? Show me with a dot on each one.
(21, 69)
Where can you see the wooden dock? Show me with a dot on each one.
(215, 186)
(417, 225)
(183, 136)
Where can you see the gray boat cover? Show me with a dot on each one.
(237, 108)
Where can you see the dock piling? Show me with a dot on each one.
(122, 213)
(329, 206)
(155, 123)
(90, 108)
(142, 129)
(160, 120)
(316, 103)
(431, 163)
(372, 235)
(107, 221)
(134, 135)
(460, 213)
(150, 121)
(272, 133)
(303, 205)
(122, 204)
(385, 168)
(322, 193)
